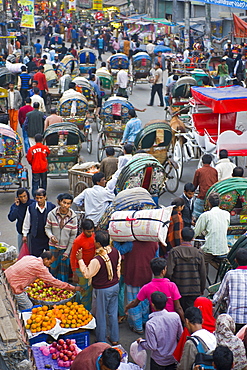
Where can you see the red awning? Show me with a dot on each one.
(240, 27)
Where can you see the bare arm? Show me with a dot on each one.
(179, 309)
(132, 304)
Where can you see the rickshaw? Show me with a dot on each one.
(120, 60)
(12, 173)
(155, 139)
(198, 74)
(106, 81)
(83, 86)
(142, 64)
(56, 40)
(75, 110)
(64, 141)
(4, 117)
(87, 60)
(68, 63)
(6, 77)
(212, 67)
(114, 116)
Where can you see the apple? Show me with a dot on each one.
(72, 347)
(73, 357)
(61, 342)
(68, 341)
(65, 358)
(69, 353)
(54, 356)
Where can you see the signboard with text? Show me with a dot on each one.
(98, 4)
(72, 5)
(27, 19)
(242, 4)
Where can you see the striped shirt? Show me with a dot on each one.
(215, 224)
(234, 289)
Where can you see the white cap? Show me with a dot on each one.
(52, 46)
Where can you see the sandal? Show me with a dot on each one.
(112, 343)
(121, 319)
(141, 332)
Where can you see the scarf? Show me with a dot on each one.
(103, 253)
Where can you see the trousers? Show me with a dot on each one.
(39, 180)
(106, 301)
(157, 88)
(13, 118)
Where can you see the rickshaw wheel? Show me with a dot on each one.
(48, 103)
(130, 87)
(172, 180)
(89, 140)
(178, 157)
(79, 187)
(99, 125)
(101, 146)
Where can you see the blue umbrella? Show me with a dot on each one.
(162, 48)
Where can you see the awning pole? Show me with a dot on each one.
(218, 149)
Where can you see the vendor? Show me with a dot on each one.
(25, 271)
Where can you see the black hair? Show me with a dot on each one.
(23, 68)
(238, 172)
(34, 81)
(110, 151)
(36, 105)
(53, 110)
(137, 44)
(241, 257)
(175, 77)
(46, 254)
(223, 358)
(214, 199)
(30, 58)
(189, 187)
(187, 234)
(38, 40)
(223, 153)
(21, 191)
(206, 159)
(159, 300)
(206, 80)
(87, 224)
(97, 177)
(193, 315)
(40, 192)
(63, 196)
(72, 85)
(103, 64)
(28, 100)
(132, 113)
(36, 90)
(157, 265)
(41, 68)
(102, 237)
(177, 202)
(111, 358)
(128, 148)
(157, 64)
(38, 138)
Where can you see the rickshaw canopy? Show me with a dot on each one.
(221, 100)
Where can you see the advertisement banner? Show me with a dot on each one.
(98, 4)
(27, 19)
(242, 4)
(72, 5)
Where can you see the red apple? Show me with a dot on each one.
(72, 347)
(59, 348)
(68, 341)
(61, 342)
(73, 357)
(65, 358)
(54, 344)
(61, 355)
(54, 356)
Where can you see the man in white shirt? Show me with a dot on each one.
(224, 166)
(95, 199)
(150, 48)
(122, 82)
(36, 98)
(186, 54)
(157, 85)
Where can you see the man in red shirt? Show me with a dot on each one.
(37, 158)
(21, 117)
(84, 241)
(42, 83)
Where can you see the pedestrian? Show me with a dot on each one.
(34, 123)
(160, 58)
(160, 284)
(193, 322)
(98, 356)
(238, 172)
(24, 83)
(214, 225)
(174, 234)
(74, 35)
(161, 324)
(37, 98)
(122, 82)
(225, 336)
(37, 158)
(204, 177)
(100, 46)
(22, 114)
(18, 211)
(109, 164)
(133, 126)
(14, 104)
(233, 290)
(104, 269)
(52, 118)
(95, 199)
(50, 75)
(97, 92)
(224, 166)
(84, 241)
(61, 229)
(239, 67)
(42, 83)
(223, 358)
(157, 85)
(223, 72)
(25, 271)
(38, 47)
(31, 66)
(188, 197)
(64, 81)
(150, 49)
(186, 268)
(126, 46)
(34, 224)
(73, 51)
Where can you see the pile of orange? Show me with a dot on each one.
(72, 315)
(41, 319)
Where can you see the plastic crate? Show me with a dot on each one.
(41, 361)
(39, 338)
(82, 338)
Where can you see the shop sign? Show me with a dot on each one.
(27, 19)
(72, 5)
(98, 4)
(242, 4)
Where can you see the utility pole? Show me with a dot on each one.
(187, 23)
(174, 11)
(208, 20)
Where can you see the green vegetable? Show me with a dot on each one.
(3, 249)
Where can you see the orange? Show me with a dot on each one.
(75, 304)
(64, 321)
(38, 319)
(80, 316)
(33, 326)
(69, 304)
(73, 321)
(66, 310)
(73, 325)
(67, 326)
(72, 313)
(27, 326)
(39, 308)
(29, 321)
(69, 322)
(34, 310)
(70, 317)
(45, 308)
(62, 325)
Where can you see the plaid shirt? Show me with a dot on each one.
(176, 225)
(233, 288)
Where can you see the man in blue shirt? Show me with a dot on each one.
(38, 47)
(133, 126)
(74, 36)
(92, 82)
(101, 45)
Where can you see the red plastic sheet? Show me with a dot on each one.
(240, 27)
(221, 100)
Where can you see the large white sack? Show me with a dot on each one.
(144, 225)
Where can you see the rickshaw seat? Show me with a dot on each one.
(52, 139)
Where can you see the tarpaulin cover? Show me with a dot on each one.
(240, 27)
(221, 100)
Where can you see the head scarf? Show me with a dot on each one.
(206, 307)
(224, 332)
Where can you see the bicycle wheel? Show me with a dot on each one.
(172, 179)
(178, 157)
(79, 187)
(99, 124)
(101, 146)
(131, 87)
(89, 140)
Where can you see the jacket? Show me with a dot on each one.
(18, 213)
(187, 211)
(34, 123)
(34, 217)
(17, 100)
(37, 158)
(65, 235)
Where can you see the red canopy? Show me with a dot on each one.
(240, 27)
(221, 100)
